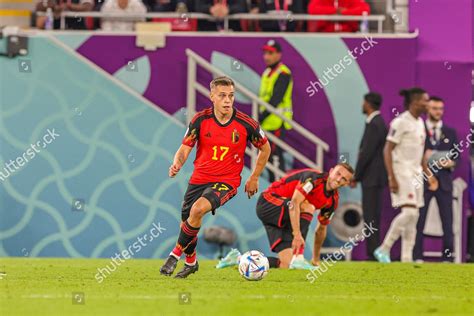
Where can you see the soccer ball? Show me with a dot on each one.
(253, 265)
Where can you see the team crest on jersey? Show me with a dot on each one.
(410, 196)
(235, 136)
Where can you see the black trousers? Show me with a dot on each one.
(371, 208)
(276, 153)
(445, 205)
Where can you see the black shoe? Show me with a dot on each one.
(186, 271)
(169, 266)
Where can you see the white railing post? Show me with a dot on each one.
(191, 92)
(320, 157)
(62, 22)
(226, 24)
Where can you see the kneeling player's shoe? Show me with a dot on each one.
(231, 259)
(169, 266)
(298, 263)
(382, 256)
(187, 270)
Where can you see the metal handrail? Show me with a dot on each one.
(193, 86)
(304, 17)
(241, 16)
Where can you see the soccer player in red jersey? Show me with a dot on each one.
(286, 209)
(221, 133)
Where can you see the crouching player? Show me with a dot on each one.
(286, 209)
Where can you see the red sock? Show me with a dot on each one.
(177, 251)
(191, 259)
(300, 251)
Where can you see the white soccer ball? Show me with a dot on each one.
(253, 265)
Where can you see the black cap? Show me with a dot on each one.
(272, 46)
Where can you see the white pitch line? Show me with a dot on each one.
(250, 297)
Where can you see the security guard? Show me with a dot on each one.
(276, 88)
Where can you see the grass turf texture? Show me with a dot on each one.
(46, 286)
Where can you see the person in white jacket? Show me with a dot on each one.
(122, 7)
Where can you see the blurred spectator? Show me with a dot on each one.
(181, 6)
(220, 9)
(440, 143)
(58, 6)
(330, 7)
(184, 22)
(370, 170)
(251, 25)
(276, 88)
(122, 7)
(284, 8)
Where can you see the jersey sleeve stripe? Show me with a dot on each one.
(201, 113)
(248, 120)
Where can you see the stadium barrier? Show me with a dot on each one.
(241, 16)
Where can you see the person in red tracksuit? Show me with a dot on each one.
(330, 7)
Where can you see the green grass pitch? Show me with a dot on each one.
(68, 287)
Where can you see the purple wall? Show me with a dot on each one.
(446, 56)
(446, 29)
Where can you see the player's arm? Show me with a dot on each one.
(258, 139)
(319, 237)
(387, 157)
(190, 139)
(179, 159)
(294, 211)
(324, 218)
(251, 186)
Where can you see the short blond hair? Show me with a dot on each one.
(347, 166)
(221, 81)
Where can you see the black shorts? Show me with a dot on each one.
(218, 193)
(273, 211)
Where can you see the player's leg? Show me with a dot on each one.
(409, 234)
(188, 236)
(193, 193)
(214, 196)
(404, 222)
(284, 258)
(270, 208)
(306, 216)
(418, 249)
(406, 199)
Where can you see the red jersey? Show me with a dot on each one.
(221, 147)
(312, 184)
